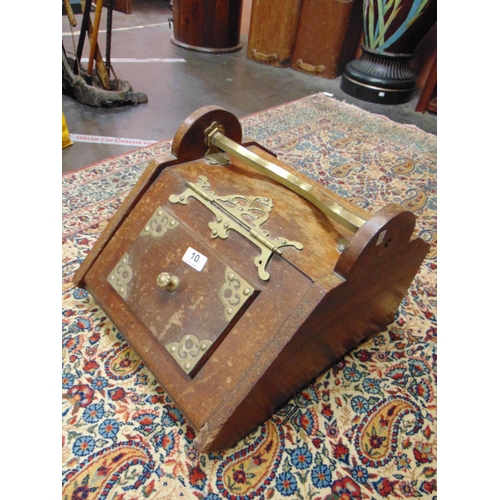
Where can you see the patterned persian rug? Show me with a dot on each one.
(364, 429)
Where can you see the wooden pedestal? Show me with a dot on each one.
(272, 31)
(320, 37)
(207, 26)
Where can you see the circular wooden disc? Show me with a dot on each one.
(189, 141)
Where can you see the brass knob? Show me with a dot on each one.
(168, 281)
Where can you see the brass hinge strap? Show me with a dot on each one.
(201, 192)
(253, 233)
(230, 212)
(329, 207)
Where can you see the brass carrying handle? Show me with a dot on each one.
(309, 67)
(215, 138)
(264, 57)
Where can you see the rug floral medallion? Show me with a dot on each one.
(364, 429)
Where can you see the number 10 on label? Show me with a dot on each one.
(195, 259)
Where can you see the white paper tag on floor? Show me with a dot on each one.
(120, 141)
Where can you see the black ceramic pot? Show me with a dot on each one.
(382, 74)
(382, 77)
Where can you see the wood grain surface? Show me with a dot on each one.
(272, 31)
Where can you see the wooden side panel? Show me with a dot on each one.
(336, 316)
(353, 36)
(320, 36)
(273, 26)
(142, 185)
(124, 6)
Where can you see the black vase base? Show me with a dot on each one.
(375, 94)
(380, 77)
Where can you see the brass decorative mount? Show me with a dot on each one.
(243, 214)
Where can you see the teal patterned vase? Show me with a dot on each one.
(392, 30)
